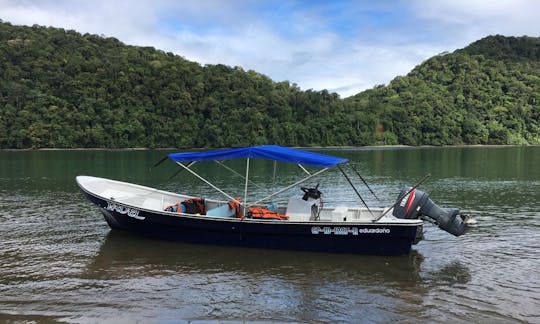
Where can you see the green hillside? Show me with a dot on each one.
(486, 93)
(62, 89)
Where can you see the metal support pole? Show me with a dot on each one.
(354, 188)
(204, 180)
(246, 186)
(364, 181)
(289, 187)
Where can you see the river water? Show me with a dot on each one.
(59, 261)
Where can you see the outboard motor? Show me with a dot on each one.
(416, 204)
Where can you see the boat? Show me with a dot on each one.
(302, 223)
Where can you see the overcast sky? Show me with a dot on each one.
(342, 46)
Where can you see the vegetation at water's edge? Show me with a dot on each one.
(62, 89)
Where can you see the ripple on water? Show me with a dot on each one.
(60, 261)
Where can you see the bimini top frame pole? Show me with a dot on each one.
(268, 152)
(289, 187)
(223, 165)
(206, 181)
(246, 186)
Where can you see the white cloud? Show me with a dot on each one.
(347, 49)
(467, 11)
(470, 20)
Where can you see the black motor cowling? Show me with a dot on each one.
(417, 204)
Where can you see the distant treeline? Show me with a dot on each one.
(61, 89)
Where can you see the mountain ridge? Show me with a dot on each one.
(64, 89)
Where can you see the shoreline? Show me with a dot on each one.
(299, 147)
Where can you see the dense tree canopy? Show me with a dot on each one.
(487, 93)
(61, 89)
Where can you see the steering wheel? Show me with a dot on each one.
(313, 193)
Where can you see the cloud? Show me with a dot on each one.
(464, 21)
(467, 11)
(343, 46)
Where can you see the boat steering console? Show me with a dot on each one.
(313, 193)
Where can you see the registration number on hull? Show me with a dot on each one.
(346, 230)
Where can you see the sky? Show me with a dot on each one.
(341, 46)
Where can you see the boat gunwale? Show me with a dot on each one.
(398, 222)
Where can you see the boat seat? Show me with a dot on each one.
(298, 209)
(221, 212)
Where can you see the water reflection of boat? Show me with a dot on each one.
(124, 255)
(303, 224)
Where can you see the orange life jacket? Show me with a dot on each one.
(235, 205)
(261, 212)
(195, 206)
(189, 206)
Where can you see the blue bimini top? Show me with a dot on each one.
(267, 152)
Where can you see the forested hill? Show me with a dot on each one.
(61, 89)
(486, 93)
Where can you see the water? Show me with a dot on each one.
(60, 261)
